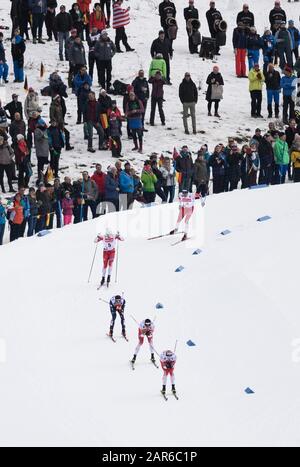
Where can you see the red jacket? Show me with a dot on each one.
(84, 5)
(99, 23)
(99, 179)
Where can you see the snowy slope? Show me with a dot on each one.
(65, 383)
(145, 24)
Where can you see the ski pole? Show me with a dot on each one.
(92, 263)
(156, 352)
(175, 346)
(117, 262)
(134, 319)
(102, 300)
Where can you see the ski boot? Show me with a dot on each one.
(152, 358)
(173, 232)
(108, 281)
(133, 359)
(110, 332)
(173, 389)
(184, 237)
(124, 333)
(102, 281)
(163, 391)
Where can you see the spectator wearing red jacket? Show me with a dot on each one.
(97, 18)
(99, 179)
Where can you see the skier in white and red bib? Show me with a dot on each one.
(186, 209)
(168, 361)
(109, 240)
(146, 328)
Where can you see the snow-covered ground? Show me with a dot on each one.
(143, 29)
(64, 382)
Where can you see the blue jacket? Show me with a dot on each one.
(268, 43)
(295, 35)
(126, 182)
(2, 215)
(79, 81)
(56, 138)
(26, 206)
(239, 39)
(38, 6)
(2, 53)
(288, 85)
(111, 186)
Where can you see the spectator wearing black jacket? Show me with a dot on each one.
(44, 199)
(185, 166)
(91, 40)
(276, 17)
(25, 18)
(104, 51)
(190, 13)
(291, 131)
(166, 10)
(188, 96)
(157, 96)
(212, 15)
(63, 25)
(162, 45)
(246, 17)
(160, 181)
(272, 80)
(141, 90)
(266, 158)
(13, 107)
(50, 19)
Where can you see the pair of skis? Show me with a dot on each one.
(152, 361)
(102, 285)
(166, 398)
(168, 235)
(114, 340)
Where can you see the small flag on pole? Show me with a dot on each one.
(42, 70)
(26, 84)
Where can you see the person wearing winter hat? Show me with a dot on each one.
(22, 161)
(97, 18)
(18, 48)
(288, 84)
(104, 51)
(284, 45)
(67, 208)
(295, 35)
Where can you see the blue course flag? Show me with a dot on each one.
(159, 305)
(257, 187)
(263, 218)
(190, 343)
(197, 252)
(225, 232)
(249, 391)
(179, 269)
(42, 233)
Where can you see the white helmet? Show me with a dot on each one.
(108, 232)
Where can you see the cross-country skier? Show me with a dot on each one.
(186, 208)
(117, 305)
(167, 361)
(109, 240)
(146, 328)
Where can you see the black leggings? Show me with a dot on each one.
(216, 106)
(8, 170)
(108, 8)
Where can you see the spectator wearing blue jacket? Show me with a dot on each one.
(38, 9)
(288, 84)
(112, 189)
(295, 35)
(81, 79)
(2, 221)
(254, 44)
(3, 64)
(268, 47)
(126, 183)
(18, 48)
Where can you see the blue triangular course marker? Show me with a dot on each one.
(179, 269)
(197, 252)
(257, 187)
(190, 343)
(225, 232)
(249, 391)
(263, 218)
(159, 305)
(42, 233)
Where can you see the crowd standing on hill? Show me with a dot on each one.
(31, 146)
